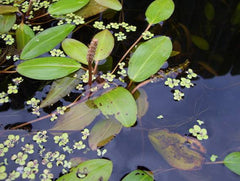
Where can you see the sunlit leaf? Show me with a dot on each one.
(91, 170)
(45, 41)
(8, 9)
(78, 117)
(159, 10)
(235, 20)
(75, 49)
(112, 4)
(200, 42)
(142, 103)
(114, 103)
(139, 175)
(91, 9)
(61, 88)
(6, 22)
(103, 132)
(232, 162)
(23, 35)
(105, 44)
(149, 58)
(209, 11)
(173, 149)
(66, 6)
(48, 68)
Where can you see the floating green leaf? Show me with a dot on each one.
(91, 170)
(112, 4)
(142, 103)
(105, 44)
(232, 162)
(172, 148)
(61, 88)
(91, 9)
(45, 41)
(23, 35)
(148, 58)
(78, 117)
(159, 10)
(76, 50)
(139, 175)
(103, 132)
(6, 22)
(48, 68)
(8, 9)
(66, 6)
(200, 42)
(209, 11)
(114, 103)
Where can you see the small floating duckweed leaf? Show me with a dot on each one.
(232, 162)
(139, 175)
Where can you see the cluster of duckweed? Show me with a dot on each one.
(115, 26)
(213, 158)
(147, 35)
(183, 82)
(71, 19)
(9, 40)
(37, 28)
(57, 53)
(198, 132)
(33, 102)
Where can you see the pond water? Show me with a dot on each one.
(213, 99)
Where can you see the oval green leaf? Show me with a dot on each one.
(45, 41)
(6, 22)
(78, 117)
(139, 175)
(159, 10)
(200, 42)
(142, 103)
(173, 149)
(114, 103)
(148, 58)
(91, 170)
(8, 9)
(61, 88)
(23, 35)
(112, 4)
(105, 44)
(232, 162)
(66, 6)
(91, 9)
(76, 50)
(103, 132)
(48, 68)
(209, 11)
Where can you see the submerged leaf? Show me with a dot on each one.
(103, 132)
(6, 22)
(112, 4)
(105, 44)
(48, 68)
(91, 170)
(8, 9)
(232, 162)
(78, 117)
(200, 42)
(142, 103)
(139, 175)
(23, 35)
(114, 103)
(75, 49)
(61, 88)
(209, 11)
(159, 10)
(66, 6)
(235, 20)
(45, 41)
(149, 58)
(91, 9)
(173, 149)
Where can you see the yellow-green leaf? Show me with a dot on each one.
(139, 175)
(149, 58)
(114, 103)
(173, 149)
(75, 49)
(8, 9)
(105, 44)
(232, 162)
(159, 10)
(45, 41)
(6, 22)
(23, 35)
(200, 42)
(66, 6)
(112, 4)
(48, 68)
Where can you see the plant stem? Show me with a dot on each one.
(140, 85)
(133, 45)
(90, 55)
